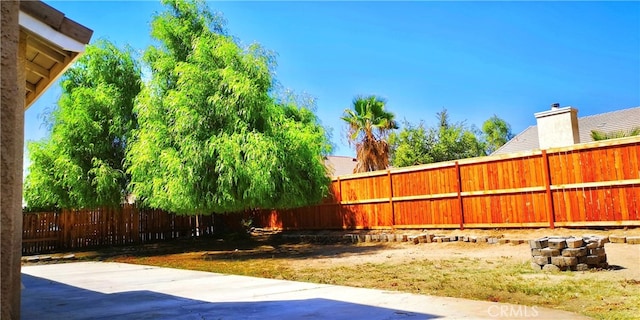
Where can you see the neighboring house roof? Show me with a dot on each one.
(340, 165)
(625, 119)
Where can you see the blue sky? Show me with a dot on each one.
(475, 59)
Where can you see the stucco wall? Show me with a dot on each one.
(11, 147)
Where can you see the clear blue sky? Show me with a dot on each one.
(475, 59)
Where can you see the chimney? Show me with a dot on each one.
(558, 127)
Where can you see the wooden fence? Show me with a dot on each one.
(586, 185)
(77, 229)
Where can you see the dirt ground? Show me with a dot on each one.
(624, 259)
(493, 272)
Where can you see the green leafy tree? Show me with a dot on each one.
(412, 145)
(212, 138)
(415, 145)
(81, 164)
(597, 135)
(496, 133)
(368, 127)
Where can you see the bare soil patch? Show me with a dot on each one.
(481, 271)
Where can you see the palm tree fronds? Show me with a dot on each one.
(368, 127)
(598, 135)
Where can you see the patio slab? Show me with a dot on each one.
(107, 290)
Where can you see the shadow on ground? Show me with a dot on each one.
(233, 248)
(46, 299)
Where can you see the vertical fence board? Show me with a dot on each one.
(590, 183)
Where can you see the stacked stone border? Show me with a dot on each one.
(427, 238)
(568, 253)
(45, 258)
(352, 238)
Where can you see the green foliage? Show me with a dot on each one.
(415, 145)
(496, 133)
(211, 137)
(81, 164)
(368, 128)
(412, 145)
(597, 135)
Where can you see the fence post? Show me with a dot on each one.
(338, 204)
(459, 187)
(547, 176)
(339, 198)
(393, 214)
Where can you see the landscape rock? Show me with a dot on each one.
(557, 243)
(593, 245)
(617, 239)
(550, 268)
(569, 253)
(549, 252)
(574, 252)
(633, 240)
(574, 243)
(595, 260)
(538, 243)
(541, 260)
(429, 238)
(582, 267)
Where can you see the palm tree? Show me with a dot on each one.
(368, 128)
(599, 135)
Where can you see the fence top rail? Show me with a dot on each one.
(501, 157)
(597, 144)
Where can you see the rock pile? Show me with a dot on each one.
(568, 253)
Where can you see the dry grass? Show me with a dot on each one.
(493, 280)
(501, 279)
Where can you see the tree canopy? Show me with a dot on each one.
(81, 164)
(212, 136)
(419, 144)
(496, 133)
(368, 126)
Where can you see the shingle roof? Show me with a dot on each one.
(340, 165)
(625, 119)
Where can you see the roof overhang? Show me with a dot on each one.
(53, 43)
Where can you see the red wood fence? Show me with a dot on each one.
(76, 229)
(592, 184)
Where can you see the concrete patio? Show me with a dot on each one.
(101, 290)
